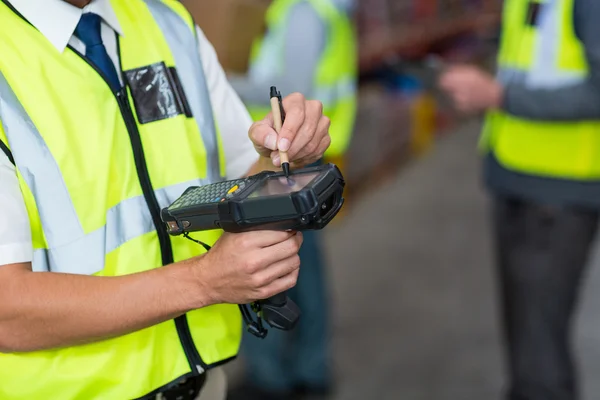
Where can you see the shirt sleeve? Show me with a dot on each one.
(231, 115)
(15, 232)
(576, 102)
(304, 42)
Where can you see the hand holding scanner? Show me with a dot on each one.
(306, 200)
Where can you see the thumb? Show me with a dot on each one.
(263, 136)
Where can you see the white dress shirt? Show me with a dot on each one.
(57, 20)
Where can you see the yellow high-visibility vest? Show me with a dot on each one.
(545, 55)
(93, 178)
(336, 77)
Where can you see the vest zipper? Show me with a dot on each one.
(196, 363)
(181, 322)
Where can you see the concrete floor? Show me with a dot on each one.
(412, 273)
(414, 293)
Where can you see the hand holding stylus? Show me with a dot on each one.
(303, 136)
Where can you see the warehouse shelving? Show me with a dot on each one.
(414, 40)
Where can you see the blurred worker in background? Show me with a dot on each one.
(310, 46)
(542, 165)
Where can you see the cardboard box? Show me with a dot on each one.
(231, 26)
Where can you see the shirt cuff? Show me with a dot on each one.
(16, 253)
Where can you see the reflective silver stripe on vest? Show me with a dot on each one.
(330, 95)
(125, 221)
(544, 72)
(39, 170)
(184, 47)
(511, 75)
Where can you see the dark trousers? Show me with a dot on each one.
(284, 361)
(542, 252)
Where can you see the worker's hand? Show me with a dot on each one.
(304, 135)
(471, 89)
(245, 267)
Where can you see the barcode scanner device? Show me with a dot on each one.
(306, 200)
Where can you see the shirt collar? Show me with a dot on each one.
(57, 19)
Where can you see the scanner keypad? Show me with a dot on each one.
(213, 193)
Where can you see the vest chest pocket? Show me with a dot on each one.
(157, 93)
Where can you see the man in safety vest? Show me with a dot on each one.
(542, 165)
(108, 112)
(309, 46)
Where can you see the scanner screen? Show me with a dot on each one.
(282, 185)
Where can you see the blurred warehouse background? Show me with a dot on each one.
(410, 261)
(402, 46)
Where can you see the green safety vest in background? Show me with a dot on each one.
(336, 77)
(78, 151)
(544, 55)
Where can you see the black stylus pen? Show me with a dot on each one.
(279, 119)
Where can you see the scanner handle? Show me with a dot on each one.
(280, 312)
(278, 300)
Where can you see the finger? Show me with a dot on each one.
(281, 251)
(451, 92)
(294, 106)
(309, 136)
(457, 79)
(463, 101)
(462, 95)
(320, 140)
(449, 79)
(316, 156)
(300, 238)
(263, 136)
(260, 239)
(277, 270)
(275, 158)
(456, 96)
(446, 81)
(280, 285)
(454, 87)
